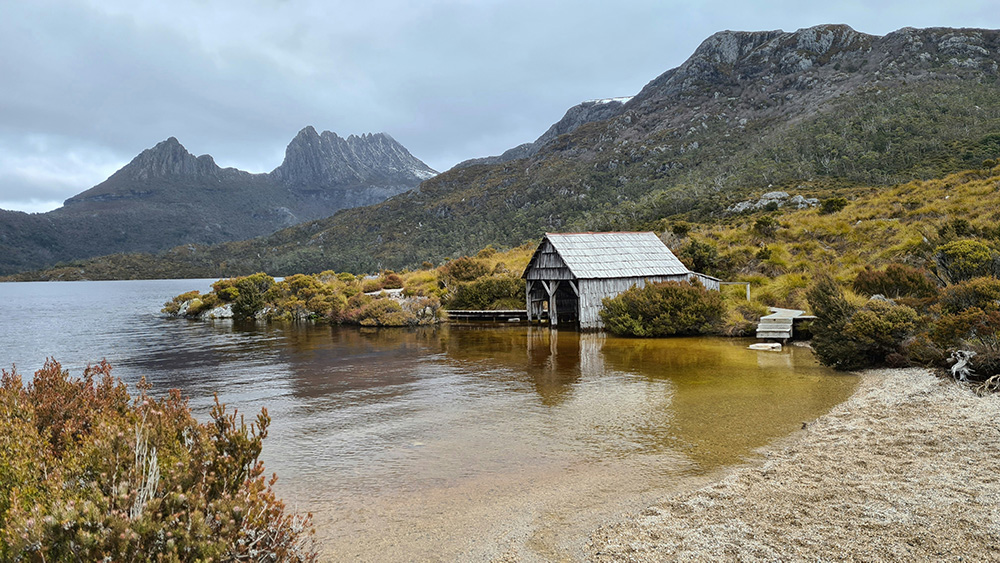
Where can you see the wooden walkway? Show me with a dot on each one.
(780, 323)
(503, 315)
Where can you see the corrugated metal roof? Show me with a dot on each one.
(615, 255)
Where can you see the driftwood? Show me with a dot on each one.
(988, 387)
(961, 370)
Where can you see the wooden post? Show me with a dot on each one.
(551, 288)
(527, 298)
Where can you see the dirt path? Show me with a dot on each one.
(908, 469)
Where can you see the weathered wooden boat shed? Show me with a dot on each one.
(572, 272)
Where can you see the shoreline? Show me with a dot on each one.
(906, 469)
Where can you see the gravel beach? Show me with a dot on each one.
(907, 469)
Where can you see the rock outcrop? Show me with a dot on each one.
(580, 114)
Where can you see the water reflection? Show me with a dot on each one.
(365, 418)
(729, 399)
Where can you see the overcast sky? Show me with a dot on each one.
(87, 85)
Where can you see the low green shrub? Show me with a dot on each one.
(982, 293)
(701, 257)
(249, 298)
(490, 292)
(201, 304)
(879, 329)
(464, 269)
(90, 473)
(663, 309)
(371, 285)
(965, 259)
(896, 280)
(847, 338)
(833, 312)
(766, 226)
(173, 306)
(832, 205)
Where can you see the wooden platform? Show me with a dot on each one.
(502, 315)
(780, 324)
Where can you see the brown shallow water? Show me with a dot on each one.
(477, 443)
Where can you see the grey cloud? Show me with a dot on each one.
(450, 79)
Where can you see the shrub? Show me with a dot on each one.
(766, 226)
(300, 297)
(700, 257)
(848, 338)
(878, 330)
(226, 289)
(832, 205)
(833, 312)
(896, 280)
(371, 285)
(982, 293)
(966, 259)
(250, 294)
(986, 361)
(173, 306)
(663, 309)
(464, 269)
(366, 310)
(392, 281)
(952, 329)
(89, 473)
(201, 304)
(680, 228)
(491, 292)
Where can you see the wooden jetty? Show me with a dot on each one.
(502, 315)
(780, 324)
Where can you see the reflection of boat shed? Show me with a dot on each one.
(572, 273)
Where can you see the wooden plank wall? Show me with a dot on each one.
(548, 265)
(592, 292)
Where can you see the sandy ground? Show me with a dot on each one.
(907, 469)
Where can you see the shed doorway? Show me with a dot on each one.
(561, 297)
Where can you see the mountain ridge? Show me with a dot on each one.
(821, 110)
(166, 196)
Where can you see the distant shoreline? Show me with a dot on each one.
(904, 470)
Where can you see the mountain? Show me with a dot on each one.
(580, 114)
(820, 111)
(166, 197)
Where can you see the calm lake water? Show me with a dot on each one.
(448, 442)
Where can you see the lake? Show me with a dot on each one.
(450, 442)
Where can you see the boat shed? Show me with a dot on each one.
(571, 273)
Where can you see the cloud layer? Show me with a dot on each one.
(89, 84)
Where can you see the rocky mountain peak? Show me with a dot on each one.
(325, 159)
(736, 77)
(167, 159)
